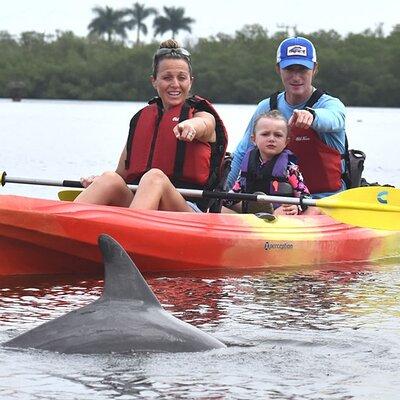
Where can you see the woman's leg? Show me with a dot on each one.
(108, 189)
(156, 192)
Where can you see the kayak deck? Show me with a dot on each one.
(52, 237)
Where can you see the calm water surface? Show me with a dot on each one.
(326, 333)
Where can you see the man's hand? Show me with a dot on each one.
(301, 119)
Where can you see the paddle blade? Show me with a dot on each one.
(68, 195)
(375, 207)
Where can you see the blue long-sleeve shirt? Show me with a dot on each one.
(329, 123)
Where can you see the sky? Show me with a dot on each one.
(212, 16)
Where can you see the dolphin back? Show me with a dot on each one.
(122, 279)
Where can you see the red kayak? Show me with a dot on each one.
(55, 237)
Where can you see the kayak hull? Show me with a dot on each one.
(40, 236)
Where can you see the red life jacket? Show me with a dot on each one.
(320, 164)
(152, 144)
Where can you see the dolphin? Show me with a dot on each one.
(126, 318)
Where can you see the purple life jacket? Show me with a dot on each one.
(266, 177)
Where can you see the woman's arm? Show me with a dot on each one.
(88, 180)
(200, 127)
(121, 164)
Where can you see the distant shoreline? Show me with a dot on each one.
(360, 69)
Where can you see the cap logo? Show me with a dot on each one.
(296, 51)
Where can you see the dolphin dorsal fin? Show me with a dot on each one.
(122, 279)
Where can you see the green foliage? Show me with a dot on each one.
(173, 20)
(361, 69)
(138, 14)
(108, 22)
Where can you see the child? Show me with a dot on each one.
(269, 167)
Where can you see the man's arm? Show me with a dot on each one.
(245, 144)
(330, 115)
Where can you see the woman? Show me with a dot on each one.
(175, 140)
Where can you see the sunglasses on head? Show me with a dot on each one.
(174, 51)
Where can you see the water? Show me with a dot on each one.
(296, 334)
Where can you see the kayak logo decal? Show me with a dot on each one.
(278, 246)
(382, 197)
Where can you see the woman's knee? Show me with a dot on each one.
(155, 177)
(111, 180)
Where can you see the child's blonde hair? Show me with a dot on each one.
(273, 114)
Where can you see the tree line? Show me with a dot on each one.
(361, 69)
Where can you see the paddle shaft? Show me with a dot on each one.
(41, 182)
(193, 193)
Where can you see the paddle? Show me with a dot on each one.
(371, 206)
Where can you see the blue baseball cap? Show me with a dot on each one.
(296, 50)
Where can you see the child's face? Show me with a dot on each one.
(270, 136)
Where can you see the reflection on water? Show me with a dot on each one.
(308, 334)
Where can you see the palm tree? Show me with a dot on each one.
(174, 21)
(139, 13)
(108, 22)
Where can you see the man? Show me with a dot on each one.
(316, 120)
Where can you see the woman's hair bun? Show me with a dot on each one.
(169, 44)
